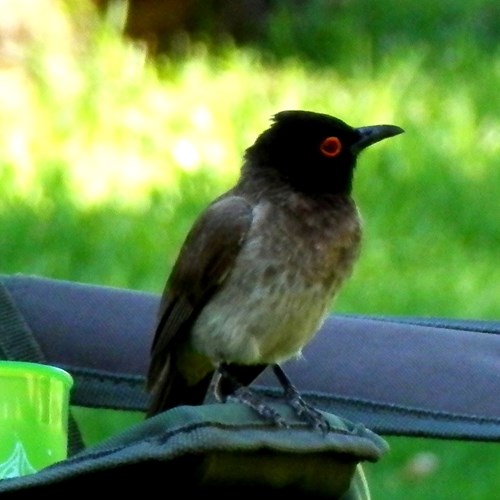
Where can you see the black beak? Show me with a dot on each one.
(372, 134)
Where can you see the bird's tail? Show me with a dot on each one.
(171, 389)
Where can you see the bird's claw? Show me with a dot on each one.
(308, 413)
(302, 409)
(246, 396)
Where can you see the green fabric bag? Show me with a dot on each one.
(213, 448)
(216, 448)
(100, 335)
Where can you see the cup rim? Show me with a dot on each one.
(19, 368)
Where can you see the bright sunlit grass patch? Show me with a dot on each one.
(107, 157)
(119, 127)
(92, 127)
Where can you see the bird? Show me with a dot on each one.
(260, 267)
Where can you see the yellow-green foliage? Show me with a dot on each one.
(107, 156)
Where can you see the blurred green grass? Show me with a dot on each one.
(107, 158)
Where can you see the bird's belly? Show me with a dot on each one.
(256, 322)
(280, 288)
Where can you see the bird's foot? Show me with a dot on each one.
(302, 409)
(228, 388)
(307, 412)
(246, 396)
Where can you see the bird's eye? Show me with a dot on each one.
(331, 147)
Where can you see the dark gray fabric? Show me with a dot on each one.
(16, 339)
(403, 376)
(17, 342)
(215, 448)
(83, 325)
(431, 368)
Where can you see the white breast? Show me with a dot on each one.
(276, 297)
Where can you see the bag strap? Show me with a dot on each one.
(17, 343)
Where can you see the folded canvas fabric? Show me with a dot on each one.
(399, 376)
(370, 375)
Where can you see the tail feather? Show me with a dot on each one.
(185, 380)
(172, 390)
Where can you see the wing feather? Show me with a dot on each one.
(206, 258)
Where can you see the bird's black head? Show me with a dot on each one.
(313, 152)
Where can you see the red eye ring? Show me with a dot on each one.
(331, 147)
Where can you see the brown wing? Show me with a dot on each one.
(205, 260)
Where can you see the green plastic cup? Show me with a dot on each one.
(34, 403)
